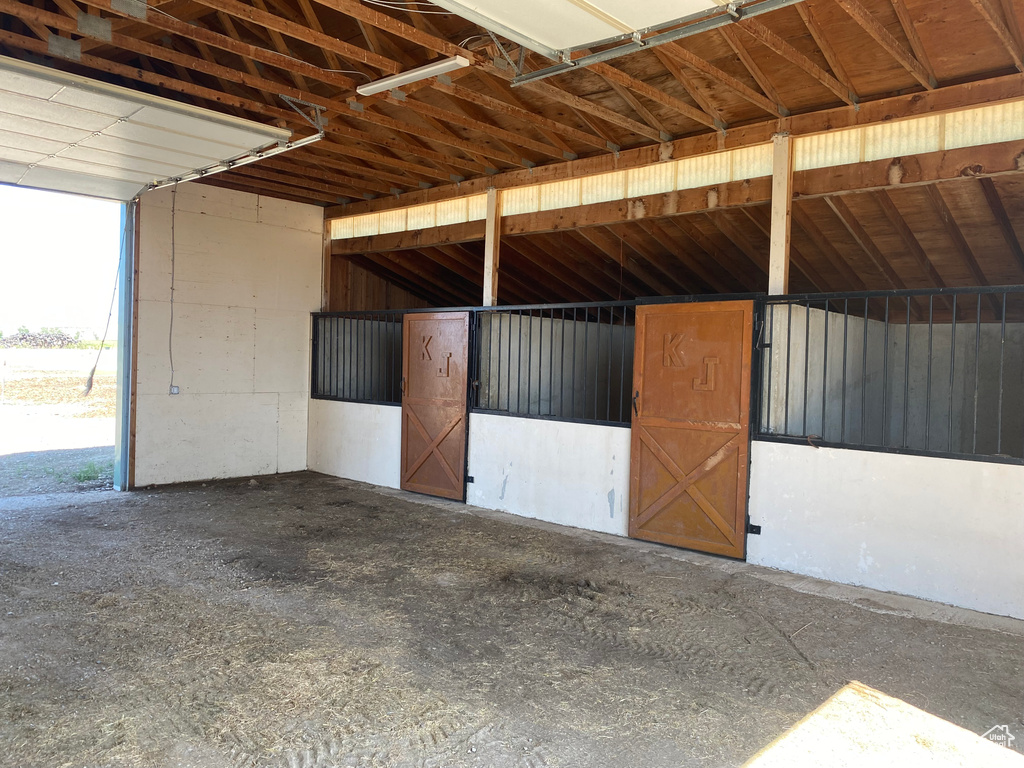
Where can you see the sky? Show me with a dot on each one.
(58, 261)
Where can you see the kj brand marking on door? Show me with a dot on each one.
(708, 385)
(425, 352)
(673, 354)
(445, 369)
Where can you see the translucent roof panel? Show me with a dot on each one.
(71, 134)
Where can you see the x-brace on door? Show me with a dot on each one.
(435, 362)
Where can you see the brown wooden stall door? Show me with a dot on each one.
(434, 377)
(690, 437)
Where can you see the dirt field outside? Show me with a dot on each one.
(53, 437)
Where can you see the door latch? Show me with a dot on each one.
(636, 395)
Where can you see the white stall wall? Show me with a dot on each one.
(942, 529)
(358, 441)
(247, 274)
(562, 472)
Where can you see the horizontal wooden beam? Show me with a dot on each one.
(420, 238)
(986, 161)
(940, 100)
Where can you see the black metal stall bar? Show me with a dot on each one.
(933, 372)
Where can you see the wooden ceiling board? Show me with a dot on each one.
(944, 26)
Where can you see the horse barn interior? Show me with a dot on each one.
(500, 379)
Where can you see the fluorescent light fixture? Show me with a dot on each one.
(413, 75)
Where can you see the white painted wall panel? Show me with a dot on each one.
(566, 473)
(247, 275)
(940, 529)
(205, 436)
(357, 441)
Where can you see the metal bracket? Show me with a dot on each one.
(754, 530)
(503, 52)
(316, 118)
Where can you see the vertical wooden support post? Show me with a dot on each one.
(492, 245)
(325, 276)
(782, 213)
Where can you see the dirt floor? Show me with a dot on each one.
(305, 621)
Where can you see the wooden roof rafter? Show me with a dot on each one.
(762, 34)
(884, 38)
(995, 20)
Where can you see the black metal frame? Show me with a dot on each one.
(904, 299)
(761, 364)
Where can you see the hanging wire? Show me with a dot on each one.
(113, 298)
(170, 329)
(399, 6)
(412, 5)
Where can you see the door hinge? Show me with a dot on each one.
(469, 479)
(753, 529)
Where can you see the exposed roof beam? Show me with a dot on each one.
(751, 255)
(995, 204)
(910, 30)
(632, 102)
(863, 239)
(910, 241)
(614, 248)
(881, 35)
(671, 53)
(278, 25)
(519, 109)
(822, 41)
(677, 243)
(244, 185)
(762, 80)
(710, 252)
(955, 233)
(995, 20)
(614, 75)
(804, 222)
(692, 87)
(762, 220)
(549, 265)
(766, 37)
(633, 237)
(395, 27)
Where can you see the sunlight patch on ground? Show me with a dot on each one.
(860, 727)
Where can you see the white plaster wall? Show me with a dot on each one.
(358, 441)
(566, 473)
(940, 529)
(247, 275)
